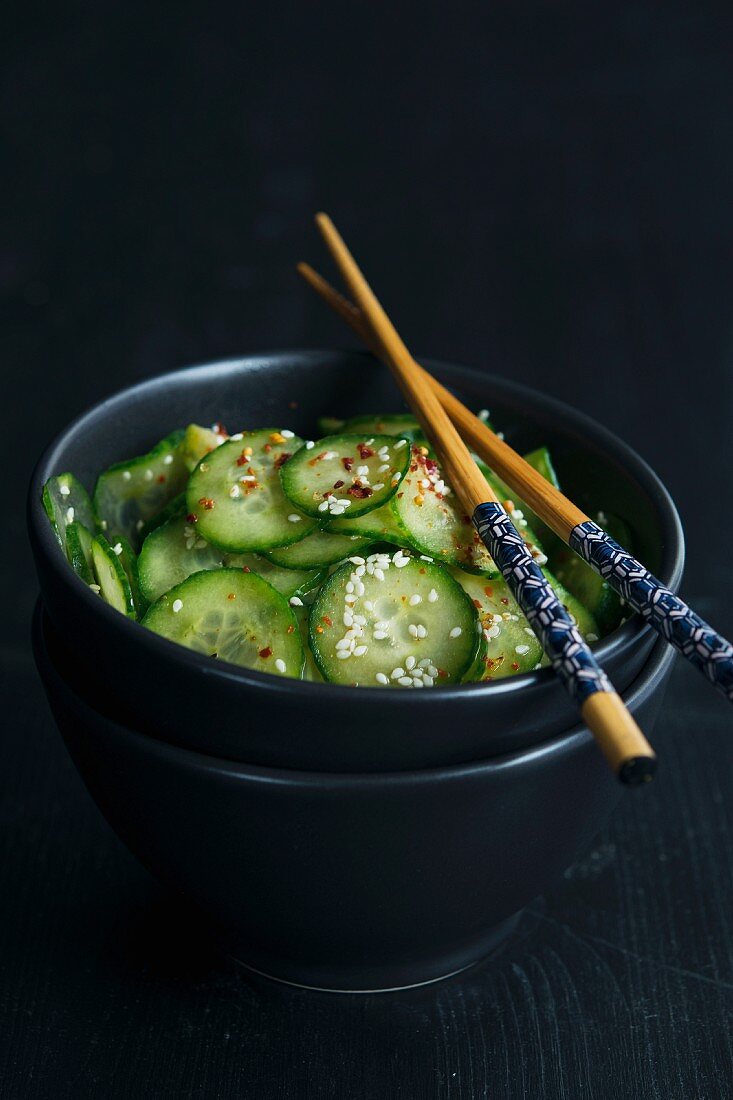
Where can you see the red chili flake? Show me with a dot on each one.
(338, 484)
(267, 448)
(219, 429)
(232, 596)
(431, 466)
(347, 463)
(266, 652)
(442, 673)
(318, 458)
(515, 666)
(364, 451)
(422, 570)
(489, 591)
(290, 629)
(243, 459)
(466, 519)
(400, 496)
(282, 459)
(413, 467)
(192, 518)
(505, 600)
(161, 479)
(246, 569)
(325, 619)
(478, 604)
(360, 491)
(207, 503)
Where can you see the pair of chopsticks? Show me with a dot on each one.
(621, 740)
(445, 420)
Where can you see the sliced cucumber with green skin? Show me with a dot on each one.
(345, 473)
(586, 585)
(402, 424)
(65, 500)
(232, 616)
(175, 507)
(130, 493)
(176, 550)
(318, 550)
(236, 495)
(311, 670)
(382, 523)
(128, 560)
(199, 441)
(79, 551)
(398, 621)
(540, 460)
(110, 577)
(329, 425)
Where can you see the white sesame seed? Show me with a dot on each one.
(428, 681)
(248, 477)
(397, 672)
(356, 560)
(148, 475)
(400, 444)
(329, 455)
(293, 518)
(521, 649)
(360, 650)
(64, 490)
(117, 549)
(378, 486)
(168, 460)
(343, 654)
(237, 436)
(280, 665)
(424, 557)
(177, 605)
(286, 433)
(126, 475)
(410, 663)
(415, 600)
(412, 630)
(417, 682)
(369, 442)
(432, 596)
(103, 524)
(406, 681)
(381, 678)
(362, 471)
(380, 635)
(455, 632)
(309, 445)
(368, 604)
(383, 468)
(295, 601)
(323, 507)
(350, 598)
(349, 586)
(425, 483)
(69, 515)
(422, 631)
(235, 492)
(95, 588)
(379, 574)
(138, 526)
(337, 510)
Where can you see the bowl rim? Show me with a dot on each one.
(654, 669)
(673, 548)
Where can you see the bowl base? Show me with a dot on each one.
(381, 982)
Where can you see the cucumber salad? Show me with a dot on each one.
(346, 558)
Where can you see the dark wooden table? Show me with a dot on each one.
(547, 195)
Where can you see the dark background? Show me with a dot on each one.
(545, 193)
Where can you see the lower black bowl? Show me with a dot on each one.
(348, 881)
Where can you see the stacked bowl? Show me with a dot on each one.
(340, 838)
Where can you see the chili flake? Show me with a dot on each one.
(207, 503)
(266, 652)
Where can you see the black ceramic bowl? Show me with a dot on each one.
(347, 881)
(184, 698)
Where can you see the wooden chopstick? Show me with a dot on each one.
(669, 615)
(619, 737)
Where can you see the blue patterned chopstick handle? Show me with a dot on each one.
(561, 640)
(668, 614)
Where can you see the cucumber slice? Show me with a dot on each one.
(586, 620)
(65, 500)
(318, 550)
(130, 493)
(329, 425)
(435, 520)
(198, 441)
(511, 645)
(236, 495)
(128, 560)
(402, 424)
(382, 523)
(233, 616)
(311, 670)
(110, 577)
(175, 507)
(175, 551)
(345, 472)
(402, 621)
(539, 533)
(79, 551)
(586, 585)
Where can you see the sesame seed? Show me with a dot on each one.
(400, 444)
(432, 596)
(406, 681)
(287, 434)
(360, 650)
(483, 414)
(177, 605)
(410, 663)
(95, 588)
(362, 471)
(428, 681)
(69, 515)
(167, 460)
(280, 665)
(64, 490)
(424, 557)
(381, 678)
(521, 649)
(417, 682)
(369, 442)
(295, 601)
(235, 492)
(397, 672)
(294, 518)
(126, 475)
(415, 600)
(379, 574)
(343, 654)
(383, 468)
(412, 630)
(148, 475)
(380, 635)
(378, 486)
(422, 631)
(237, 435)
(337, 510)
(117, 549)
(323, 507)
(356, 560)
(455, 632)
(309, 445)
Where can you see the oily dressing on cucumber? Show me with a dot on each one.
(232, 616)
(345, 559)
(235, 497)
(345, 474)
